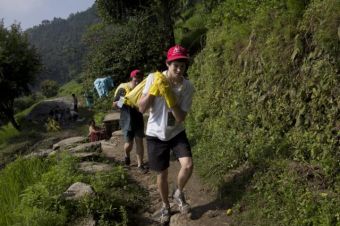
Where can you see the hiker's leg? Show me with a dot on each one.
(128, 145)
(139, 150)
(162, 183)
(158, 159)
(185, 172)
(182, 150)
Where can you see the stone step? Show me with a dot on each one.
(94, 167)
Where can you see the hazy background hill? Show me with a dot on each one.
(59, 42)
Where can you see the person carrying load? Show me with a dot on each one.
(168, 96)
(131, 120)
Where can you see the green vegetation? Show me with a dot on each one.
(266, 74)
(49, 88)
(71, 87)
(7, 132)
(19, 65)
(290, 193)
(31, 193)
(267, 91)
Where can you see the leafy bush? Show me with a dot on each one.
(52, 125)
(49, 88)
(25, 102)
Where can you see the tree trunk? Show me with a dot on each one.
(14, 123)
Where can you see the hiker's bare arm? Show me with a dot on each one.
(114, 104)
(145, 102)
(179, 114)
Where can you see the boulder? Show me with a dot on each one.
(40, 153)
(87, 147)
(40, 112)
(77, 191)
(84, 221)
(69, 142)
(85, 155)
(94, 167)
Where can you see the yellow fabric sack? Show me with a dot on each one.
(162, 87)
(133, 96)
(159, 87)
(124, 86)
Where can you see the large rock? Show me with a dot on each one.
(113, 116)
(84, 221)
(40, 112)
(111, 123)
(239, 175)
(77, 191)
(86, 155)
(94, 167)
(117, 133)
(87, 147)
(69, 142)
(40, 153)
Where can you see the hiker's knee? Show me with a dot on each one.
(186, 163)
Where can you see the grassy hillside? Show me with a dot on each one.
(267, 92)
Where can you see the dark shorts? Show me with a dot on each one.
(159, 151)
(129, 135)
(132, 123)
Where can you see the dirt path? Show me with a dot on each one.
(206, 209)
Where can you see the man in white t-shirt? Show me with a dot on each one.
(168, 95)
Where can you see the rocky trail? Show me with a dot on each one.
(207, 210)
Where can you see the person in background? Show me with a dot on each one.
(95, 133)
(131, 121)
(75, 102)
(168, 95)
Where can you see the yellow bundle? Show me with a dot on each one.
(159, 87)
(133, 96)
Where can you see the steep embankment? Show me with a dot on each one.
(268, 93)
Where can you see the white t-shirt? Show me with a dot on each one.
(161, 123)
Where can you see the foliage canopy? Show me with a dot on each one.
(19, 64)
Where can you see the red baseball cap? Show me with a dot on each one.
(134, 73)
(177, 52)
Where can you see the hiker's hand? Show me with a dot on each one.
(114, 104)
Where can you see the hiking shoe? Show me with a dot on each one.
(165, 215)
(142, 169)
(179, 199)
(127, 161)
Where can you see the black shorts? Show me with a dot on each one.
(159, 151)
(131, 123)
(129, 135)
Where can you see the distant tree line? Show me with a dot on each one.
(59, 42)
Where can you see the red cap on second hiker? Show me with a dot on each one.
(134, 73)
(177, 52)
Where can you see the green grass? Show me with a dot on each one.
(69, 88)
(7, 132)
(13, 180)
(31, 193)
(289, 193)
